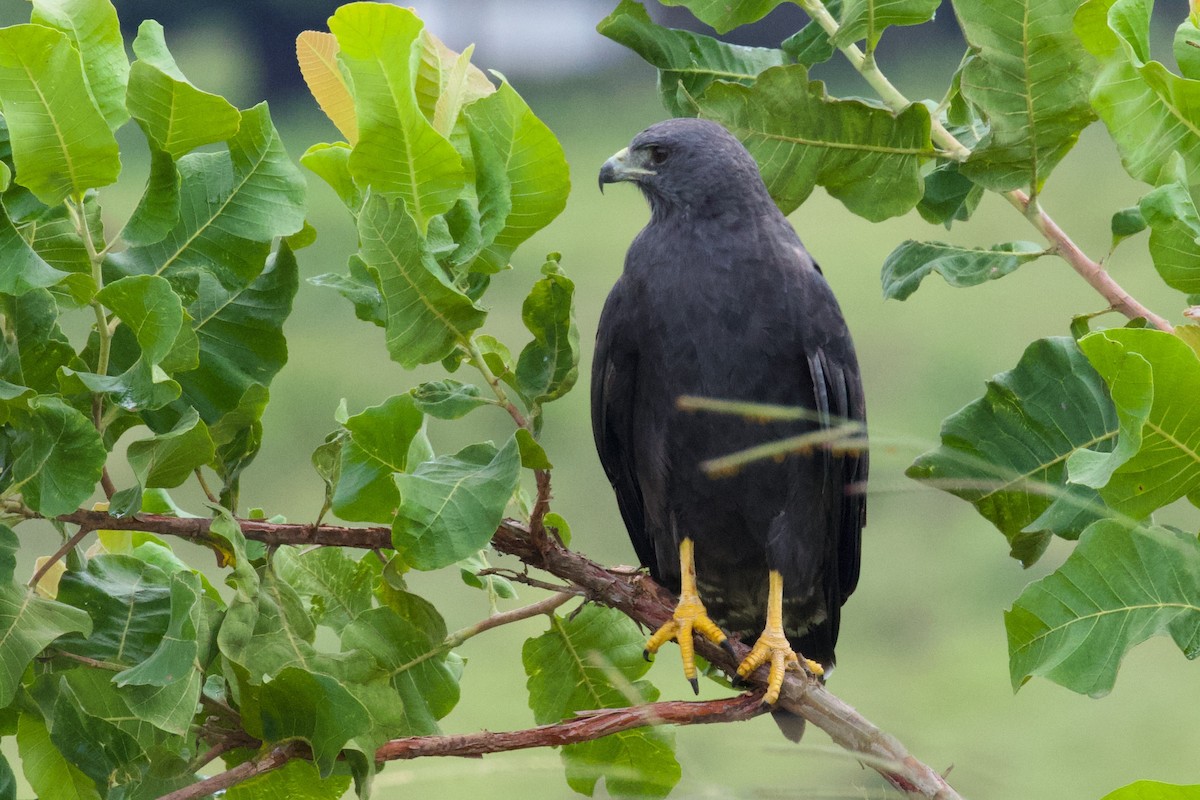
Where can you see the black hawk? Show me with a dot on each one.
(720, 299)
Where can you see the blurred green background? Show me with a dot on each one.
(922, 652)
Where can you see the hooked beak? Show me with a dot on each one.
(624, 166)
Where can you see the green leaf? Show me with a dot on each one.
(175, 116)
(911, 262)
(448, 398)
(810, 45)
(426, 314)
(1127, 222)
(1006, 452)
(1030, 77)
(231, 206)
(28, 623)
(521, 172)
(533, 455)
(24, 269)
(267, 628)
(687, 62)
(44, 96)
(1186, 48)
(360, 287)
(724, 16)
(158, 210)
(1174, 233)
(93, 28)
(864, 156)
(867, 19)
(398, 151)
(164, 689)
(404, 643)
(51, 232)
(593, 659)
(549, 365)
(168, 459)
(1118, 588)
(129, 602)
(1153, 790)
(34, 346)
(450, 506)
(949, 195)
(297, 704)
(1157, 458)
(8, 781)
(50, 775)
(380, 439)
(331, 163)
(57, 457)
(295, 780)
(337, 588)
(1149, 111)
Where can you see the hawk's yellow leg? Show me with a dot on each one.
(690, 615)
(772, 647)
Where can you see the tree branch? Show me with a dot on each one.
(274, 759)
(584, 728)
(633, 593)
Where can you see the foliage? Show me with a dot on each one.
(1088, 436)
(124, 667)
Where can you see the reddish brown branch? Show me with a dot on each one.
(592, 725)
(634, 594)
(275, 759)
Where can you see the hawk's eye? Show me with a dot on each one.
(658, 154)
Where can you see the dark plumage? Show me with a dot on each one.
(720, 299)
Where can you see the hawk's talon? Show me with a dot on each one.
(646, 656)
(695, 685)
(690, 616)
(771, 648)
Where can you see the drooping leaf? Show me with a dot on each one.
(1157, 457)
(44, 97)
(687, 62)
(911, 262)
(448, 398)
(24, 269)
(1149, 111)
(1127, 222)
(810, 45)
(949, 195)
(378, 447)
(398, 151)
(533, 455)
(316, 53)
(593, 659)
(28, 623)
(1186, 49)
(724, 16)
(867, 19)
(450, 506)
(521, 172)
(35, 347)
(267, 629)
(864, 156)
(175, 116)
(426, 314)
(404, 643)
(1006, 452)
(50, 775)
(1118, 588)
(296, 780)
(168, 459)
(1174, 233)
(57, 457)
(1153, 790)
(297, 704)
(93, 27)
(446, 82)
(331, 162)
(1030, 77)
(549, 365)
(158, 210)
(53, 234)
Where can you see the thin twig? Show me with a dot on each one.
(212, 498)
(541, 504)
(106, 482)
(41, 571)
(545, 606)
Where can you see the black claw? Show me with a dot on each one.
(736, 681)
(646, 655)
(695, 685)
(727, 646)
